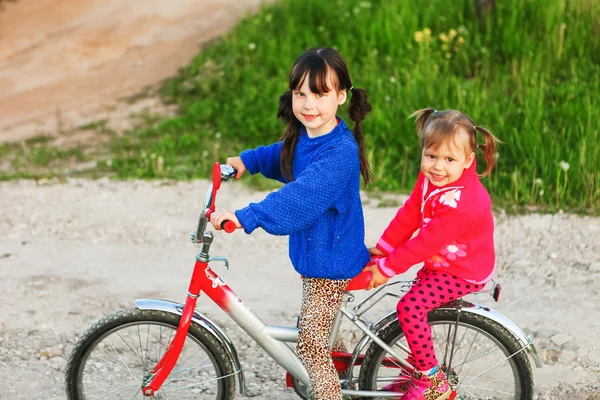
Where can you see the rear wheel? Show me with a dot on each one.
(115, 357)
(481, 358)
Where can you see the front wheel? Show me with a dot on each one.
(481, 358)
(115, 357)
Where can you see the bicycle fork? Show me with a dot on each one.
(165, 365)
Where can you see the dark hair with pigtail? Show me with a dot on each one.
(434, 127)
(316, 64)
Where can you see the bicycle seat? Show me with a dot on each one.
(360, 281)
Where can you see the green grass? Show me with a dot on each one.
(529, 71)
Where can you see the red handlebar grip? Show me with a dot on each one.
(228, 226)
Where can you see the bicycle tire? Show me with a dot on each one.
(124, 358)
(469, 325)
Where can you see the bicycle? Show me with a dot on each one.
(165, 350)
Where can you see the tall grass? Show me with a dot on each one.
(529, 71)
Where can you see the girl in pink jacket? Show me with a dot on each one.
(452, 211)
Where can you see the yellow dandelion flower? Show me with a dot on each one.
(418, 36)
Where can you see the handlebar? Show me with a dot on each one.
(220, 173)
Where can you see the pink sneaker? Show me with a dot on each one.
(399, 385)
(428, 387)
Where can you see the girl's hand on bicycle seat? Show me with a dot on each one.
(218, 217)
(377, 278)
(238, 164)
(374, 251)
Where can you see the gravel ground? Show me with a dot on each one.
(73, 252)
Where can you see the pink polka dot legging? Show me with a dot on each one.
(434, 287)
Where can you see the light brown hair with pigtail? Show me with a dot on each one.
(435, 127)
(316, 64)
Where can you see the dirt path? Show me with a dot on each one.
(73, 253)
(62, 63)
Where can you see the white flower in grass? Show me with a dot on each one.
(218, 135)
(564, 165)
(392, 79)
(252, 46)
(321, 28)
(538, 181)
(365, 4)
(541, 192)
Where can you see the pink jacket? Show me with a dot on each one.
(456, 230)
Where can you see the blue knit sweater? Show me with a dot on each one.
(320, 209)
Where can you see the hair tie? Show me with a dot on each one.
(475, 128)
(351, 87)
(481, 146)
(434, 110)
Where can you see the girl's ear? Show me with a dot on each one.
(470, 159)
(342, 96)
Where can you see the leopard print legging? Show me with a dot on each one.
(321, 299)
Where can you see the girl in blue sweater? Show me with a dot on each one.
(320, 160)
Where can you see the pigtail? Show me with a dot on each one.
(422, 119)
(489, 149)
(290, 136)
(359, 107)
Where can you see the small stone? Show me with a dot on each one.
(595, 267)
(593, 357)
(550, 354)
(561, 339)
(50, 352)
(567, 356)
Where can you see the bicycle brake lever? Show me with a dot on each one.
(219, 258)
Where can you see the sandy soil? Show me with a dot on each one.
(72, 253)
(64, 62)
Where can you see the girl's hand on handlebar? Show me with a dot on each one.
(377, 278)
(218, 217)
(238, 164)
